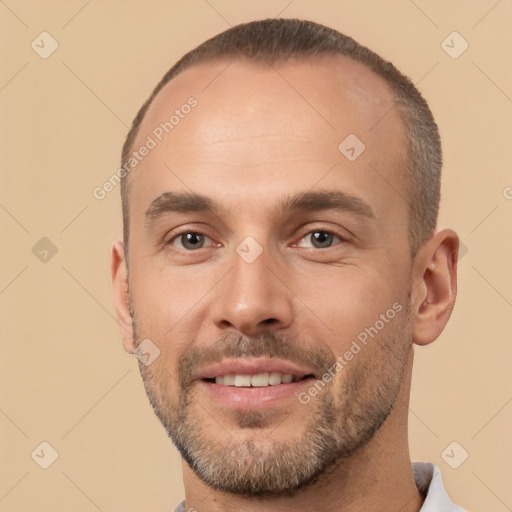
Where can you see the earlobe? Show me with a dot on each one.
(119, 279)
(435, 289)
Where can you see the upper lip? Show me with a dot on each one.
(251, 366)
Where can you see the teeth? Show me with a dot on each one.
(228, 380)
(275, 378)
(259, 380)
(242, 380)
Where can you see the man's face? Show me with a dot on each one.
(290, 255)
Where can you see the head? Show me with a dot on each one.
(283, 224)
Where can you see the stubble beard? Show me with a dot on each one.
(336, 423)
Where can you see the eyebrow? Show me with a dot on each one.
(183, 202)
(179, 202)
(325, 200)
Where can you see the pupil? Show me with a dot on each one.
(192, 240)
(322, 239)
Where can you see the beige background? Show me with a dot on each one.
(64, 376)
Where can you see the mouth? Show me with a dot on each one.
(253, 383)
(258, 380)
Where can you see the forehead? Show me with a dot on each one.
(261, 126)
(328, 90)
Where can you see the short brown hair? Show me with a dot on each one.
(272, 40)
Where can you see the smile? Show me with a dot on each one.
(259, 380)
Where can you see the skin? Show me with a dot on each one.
(252, 140)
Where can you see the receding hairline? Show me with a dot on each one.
(224, 61)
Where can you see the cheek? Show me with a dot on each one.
(164, 299)
(162, 389)
(345, 302)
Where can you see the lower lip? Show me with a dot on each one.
(249, 398)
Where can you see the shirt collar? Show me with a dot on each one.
(430, 483)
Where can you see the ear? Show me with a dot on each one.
(119, 278)
(435, 285)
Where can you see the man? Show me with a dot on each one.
(280, 259)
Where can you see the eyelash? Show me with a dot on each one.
(343, 239)
(334, 233)
(185, 232)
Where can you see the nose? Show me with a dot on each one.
(252, 298)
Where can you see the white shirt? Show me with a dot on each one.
(429, 483)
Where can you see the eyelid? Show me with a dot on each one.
(342, 234)
(173, 241)
(313, 248)
(174, 234)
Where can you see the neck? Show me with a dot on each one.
(377, 477)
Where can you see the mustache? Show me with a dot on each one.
(265, 344)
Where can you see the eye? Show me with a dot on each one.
(319, 239)
(189, 241)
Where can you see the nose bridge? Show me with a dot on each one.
(251, 298)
